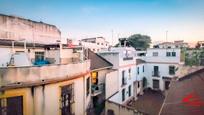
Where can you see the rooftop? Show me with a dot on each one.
(13, 16)
(98, 62)
(186, 95)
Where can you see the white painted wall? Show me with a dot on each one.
(112, 83)
(96, 45)
(120, 65)
(21, 58)
(162, 55)
(4, 56)
(163, 71)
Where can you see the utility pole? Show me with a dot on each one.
(112, 36)
(167, 36)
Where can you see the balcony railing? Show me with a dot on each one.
(97, 89)
(124, 81)
(155, 73)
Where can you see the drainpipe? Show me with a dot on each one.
(12, 47)
(84, 94)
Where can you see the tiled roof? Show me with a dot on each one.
(98, 62)
(185, 96)
(140, 61)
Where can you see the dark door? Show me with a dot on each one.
(66, 96)
(156, 84)
(167, 85)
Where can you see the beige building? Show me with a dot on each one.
(17, 28)
(47, 89)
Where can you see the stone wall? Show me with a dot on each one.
(16, 28)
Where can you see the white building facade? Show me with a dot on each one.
(124, 63)
(160, 67)
(175, 44)
(96, 44)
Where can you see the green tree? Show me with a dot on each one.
(137, 41)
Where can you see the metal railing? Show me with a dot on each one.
(97, 89)
(155, 73)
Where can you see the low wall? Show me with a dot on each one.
(13, 75)
(113, 108)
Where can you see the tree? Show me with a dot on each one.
(197, 46)
(137, 41)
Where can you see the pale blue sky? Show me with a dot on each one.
(184, 19)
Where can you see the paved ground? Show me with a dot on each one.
(150, 102)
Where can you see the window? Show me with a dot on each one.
(94, 78)
(168, 54)
(101, 43)
(67, 99)
(94, 50)
(155, 84)
(110, 112)
(98, 43)
(143, 68)
(123, 94)
(87, 86)
(11, 106)
(123, 78)
(171, 70)
(156, 71)
(174, 54)
(129, 71)
(155, 54)
(138, 70)
(129, 90)
(39, 56)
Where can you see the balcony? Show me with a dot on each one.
(124, 81)
(155, 73)
(42, 74)
(97, 89)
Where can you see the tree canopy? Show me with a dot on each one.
(137, 41)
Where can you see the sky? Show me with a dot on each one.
(112, 19)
